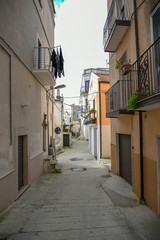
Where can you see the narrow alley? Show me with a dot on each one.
(85, 201)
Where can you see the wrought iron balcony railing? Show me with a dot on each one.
(83, 109)
(82, 90)
(87, 119)
(42, 59)
(119, 14)
(117, 98)
(145, 72)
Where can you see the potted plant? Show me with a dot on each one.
(93, 120)
(133, 102)
(92, 110)
(124, 66)
(139, 95)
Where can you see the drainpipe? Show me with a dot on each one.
(100, 120)
(47, 98)
(140, 112)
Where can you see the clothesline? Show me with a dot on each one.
(59, 46)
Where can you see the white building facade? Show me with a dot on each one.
(26, 43)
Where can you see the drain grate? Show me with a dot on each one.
(78, 169)
(76, 159)
(106, 176)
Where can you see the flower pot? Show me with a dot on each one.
(126, 68)
(93, 121)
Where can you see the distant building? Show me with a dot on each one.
(95, 127)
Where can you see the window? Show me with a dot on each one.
(86, 86)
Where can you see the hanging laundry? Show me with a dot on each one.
(53, 59)
(57, 63)
(61, 62)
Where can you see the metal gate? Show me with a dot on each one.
(125, 161)
(65, 140)
(20, 162)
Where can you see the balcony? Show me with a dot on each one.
(145, 73)
(116, 25)
(87, 119)
(83, 90)
(117, 98)
(42, 66)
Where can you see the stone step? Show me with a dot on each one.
(58, 168)
(53, 162)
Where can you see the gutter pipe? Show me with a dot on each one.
(140, 112)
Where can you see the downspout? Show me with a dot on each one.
(140, 112)
(100, 120)
(48, 118)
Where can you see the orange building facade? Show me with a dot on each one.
(132, 35)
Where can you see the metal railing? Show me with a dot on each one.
(87, 119)
(118, 95)
(83, 90)
(83, 109)
(42, 59)
(119, 10)
(145, 72)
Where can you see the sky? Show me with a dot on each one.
(79, 31)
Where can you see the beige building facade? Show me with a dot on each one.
(132, 34)
(26, 39)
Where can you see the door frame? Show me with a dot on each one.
(151, 20)
(25, 133)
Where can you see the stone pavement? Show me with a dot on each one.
(79, 205)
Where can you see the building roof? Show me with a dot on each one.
(103, 77)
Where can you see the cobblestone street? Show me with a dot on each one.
(78, 205)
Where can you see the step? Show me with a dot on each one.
(58, 168)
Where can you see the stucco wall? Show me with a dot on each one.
(20, 23)
(20, 26)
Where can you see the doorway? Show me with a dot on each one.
(125, 161)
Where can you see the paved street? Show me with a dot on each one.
(79, 205)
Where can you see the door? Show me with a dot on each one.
(20, 163)
(125, 162)
(66, 140)
(95, 142)
(156, 50)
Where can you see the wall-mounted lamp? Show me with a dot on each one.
(56, 87)
(25, 105)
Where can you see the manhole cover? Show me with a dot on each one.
(78, 169)
(76, 159)
(105, 176)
